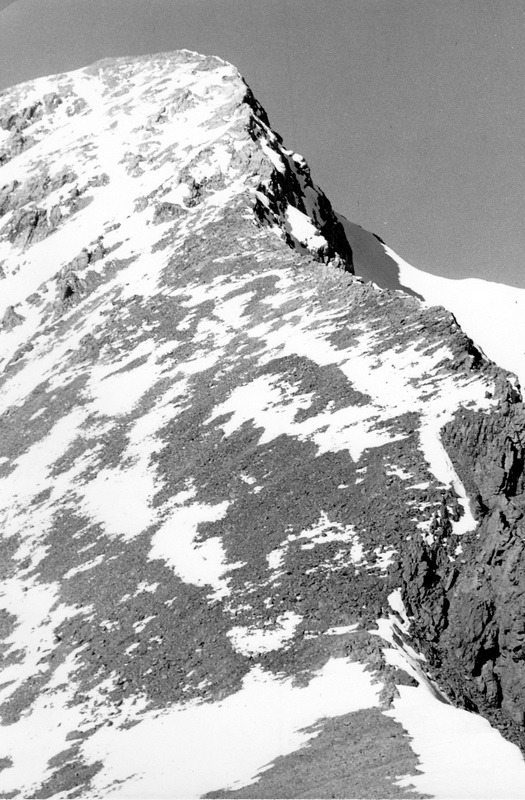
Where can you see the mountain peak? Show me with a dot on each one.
(244, 496)
(152, 139)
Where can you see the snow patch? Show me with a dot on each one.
(323, 532)
(442, 468)
(303, 229)
(199, 563)
(236, 737)
(250, 641)
(460, 754)
(341, 630)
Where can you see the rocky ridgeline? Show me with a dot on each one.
(221, 457)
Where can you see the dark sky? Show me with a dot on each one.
(410, 112)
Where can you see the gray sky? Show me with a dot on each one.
(410, 112)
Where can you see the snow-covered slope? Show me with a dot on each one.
(222, 457)
(146, 148)
(491, 313)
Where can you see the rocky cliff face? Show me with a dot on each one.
(470, 614)
(225, 461)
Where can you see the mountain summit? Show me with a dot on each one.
(261, 520)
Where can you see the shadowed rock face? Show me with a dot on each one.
(224, 463)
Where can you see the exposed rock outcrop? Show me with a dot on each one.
(469, 609)
(11, 319)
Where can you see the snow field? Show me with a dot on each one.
(460, 754)
(236, 738)
(492, 314)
